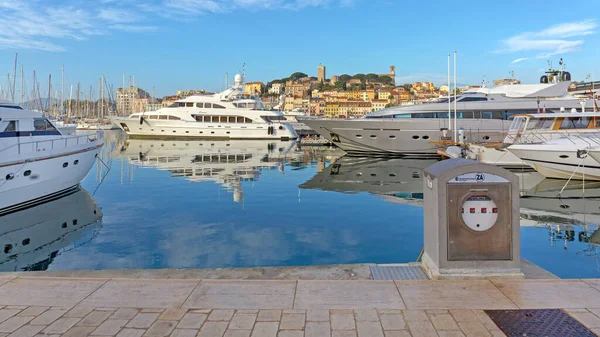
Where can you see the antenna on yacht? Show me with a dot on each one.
(226, 80)
(455, 130)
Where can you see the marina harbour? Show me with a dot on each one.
(155, 204)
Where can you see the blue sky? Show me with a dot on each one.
(185, 44)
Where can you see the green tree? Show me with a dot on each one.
(345, 78)
(297, 75)
(363, 86)
(339, 85)
(372, 77)
(360, 77)
(407, 86)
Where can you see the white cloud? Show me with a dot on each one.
(223, 6)
(519, 60)
(554, 40)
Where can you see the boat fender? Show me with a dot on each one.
(141, 120)
(582, 154)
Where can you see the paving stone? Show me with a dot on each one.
(125, 313)
(8, 313)
(127, 332)
(271, 316)
(95, 318)
(443, 322)
(486, 320)
(544, 294)
(393, 322)
(141, 294)
(143, 320)
(33, 311)
(172, 314)
(588, 319)
(27, 331)
(265, 329)
(79, 331)
(242, 322)
(571, 310)
(342, 322)
(18, 307)
(294, 311)
(389, 311)
(291, 333)
(317, 329)
(415, 316)
(61, 325)
(48, 317)
(221, 315)
(498, 333)
(366, 315)
(237, 333)
(242, 294)
(106, 309)
(184, 333)
(192, 321)
(397, 333)
(213, 329)
(42, 291)
(159, 310)
(369, 329)
(436, 311)
(474, 329)
(292, 321)
(247, 311)
(14, 323)
(451, 334)
(317, 315)
(462, 315)
(347, 295)
(160, 329)
(343, 333)
(201, 311)
(422, 329)
(110, 327)
(78, 312)
(595, 311)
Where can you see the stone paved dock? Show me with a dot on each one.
(41, 306)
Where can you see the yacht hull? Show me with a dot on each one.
(408, 137)
(495, 156)
(152, 128)
(36, 179)
(553, 162)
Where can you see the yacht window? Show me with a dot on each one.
(208, 105)
(162, 117)
(199, 105)
(174, 118)
(240, 119)
(516, 124)
(231, 119)
(399, 116)
(442, 115)
(223, 119)
(40, 124)
(424, 115)
(466, 114)
(11, 126)
(240, 105)
(153, 116)
(217, 106)
(181, 104)
(544, 123)
(134, 116)
(215, 119)
(575, 123)
(487, 115)
(248, 120)
(473, 99)
(207, 119)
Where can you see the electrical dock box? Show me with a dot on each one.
(471, 221)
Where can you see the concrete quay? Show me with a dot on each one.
(46, 306)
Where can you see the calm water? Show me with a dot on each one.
(213, 204)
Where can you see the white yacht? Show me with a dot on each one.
(531, 129)
(32, 238)
(37, 162)
(227, 163)
(224, 115)
(418, 130)
(562, 158)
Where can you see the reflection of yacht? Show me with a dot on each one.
(482, 113)
(225, 115)
(227, 163)
(402, 178)
(33, 237)
(37, 162)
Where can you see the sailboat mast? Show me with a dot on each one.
(49, 98)
(14, 77)
(62, 92)
(455, 130)
(22, 85)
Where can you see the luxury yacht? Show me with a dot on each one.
(32, 238)
(37, 162)
(225, 115)
(417, 130)
(228, 163)
(533, 129)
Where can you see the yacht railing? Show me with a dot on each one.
(50, 144)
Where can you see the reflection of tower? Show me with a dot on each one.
(320, 164)
(321, 74)
(238, 192)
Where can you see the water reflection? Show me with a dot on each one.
(32, 238)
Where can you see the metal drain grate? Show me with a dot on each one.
(538, 323)
(398, 273)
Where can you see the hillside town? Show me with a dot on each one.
(337, 96)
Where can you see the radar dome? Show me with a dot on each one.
(238, 79)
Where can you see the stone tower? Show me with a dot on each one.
(321, 74)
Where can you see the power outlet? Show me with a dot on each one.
(479, 212)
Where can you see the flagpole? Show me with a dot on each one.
(455, 129)
(449, 107)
